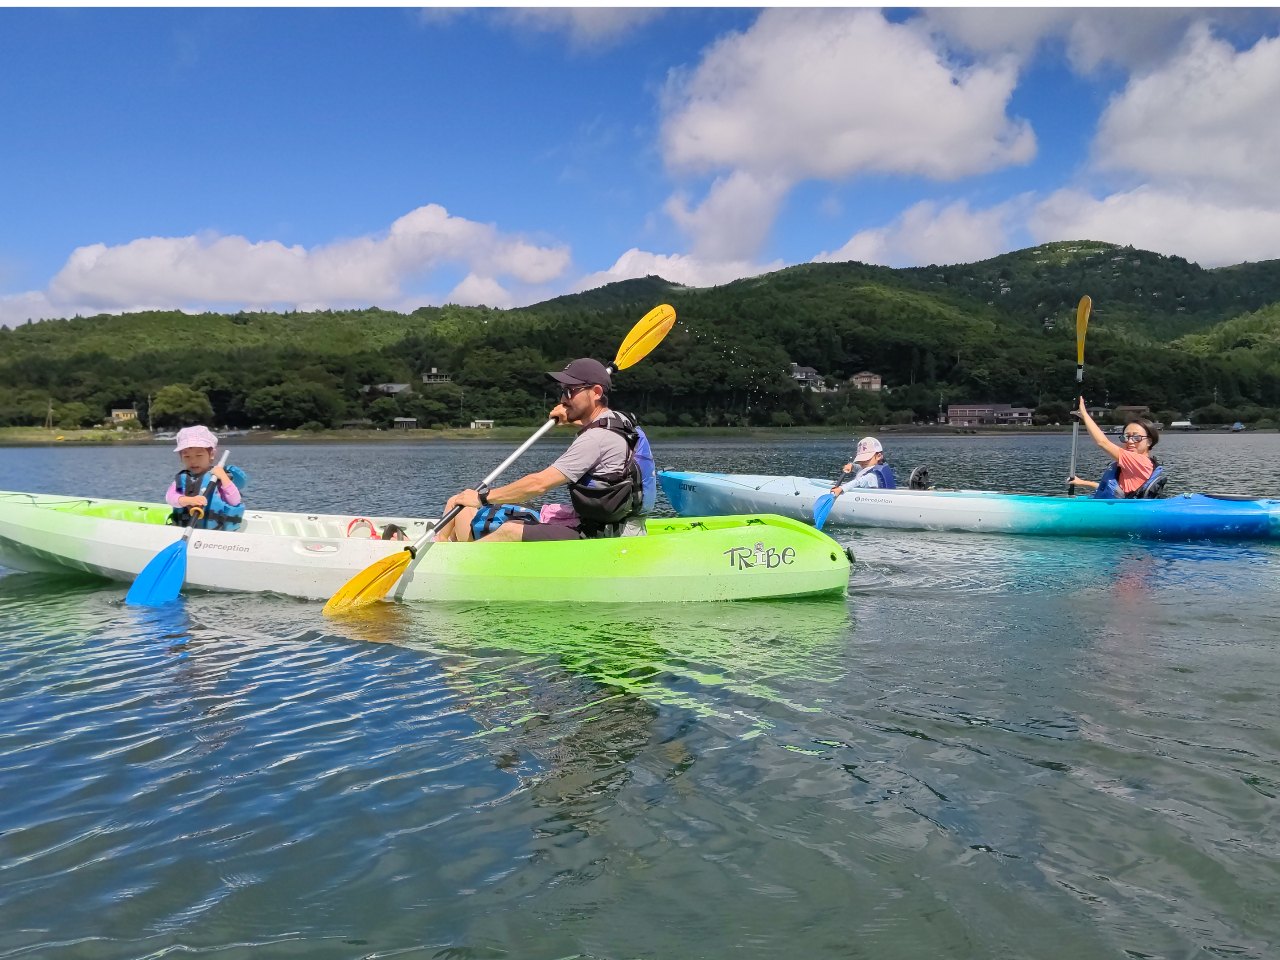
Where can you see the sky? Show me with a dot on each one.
(328, 158)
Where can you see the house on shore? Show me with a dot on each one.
(987, 414)
(808, 377)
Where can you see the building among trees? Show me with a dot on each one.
(984, 414)
(808, 377)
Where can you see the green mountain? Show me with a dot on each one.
(1166, 333)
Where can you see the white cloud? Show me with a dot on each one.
(474, 291)
(1210, 233)
(924, 234)
(677, 268)
(1200, 134)
(585, 26)
(826, 94)
(832, 93)
(1135, 39)
(1208, 119)
(733, 220)
(210, 271)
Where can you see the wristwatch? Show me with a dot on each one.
(483, 494)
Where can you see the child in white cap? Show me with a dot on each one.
(872, 470)
(223, 509)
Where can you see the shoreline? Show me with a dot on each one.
(40, 437)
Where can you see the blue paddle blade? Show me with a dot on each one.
(160, 580)
(822, 508)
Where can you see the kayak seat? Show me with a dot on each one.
(1155, 489)
(919, 479)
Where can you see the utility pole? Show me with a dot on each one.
(151, 427)
(48, 418)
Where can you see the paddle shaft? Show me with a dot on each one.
(493, 475)
(1082, 326)
(1075, 431)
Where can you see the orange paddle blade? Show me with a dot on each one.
(1082, 324)
(645, 335)
(369, 585)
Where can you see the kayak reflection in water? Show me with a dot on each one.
(604, 469)
(872, 470)
(1135, 474)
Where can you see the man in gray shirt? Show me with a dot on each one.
(584, 399)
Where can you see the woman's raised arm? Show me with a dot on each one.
(1095, 431)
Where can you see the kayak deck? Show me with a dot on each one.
(310, 556)
(1183, 517)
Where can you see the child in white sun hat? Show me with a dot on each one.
(223, 509)
(872, 470)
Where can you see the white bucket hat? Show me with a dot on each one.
(203, 437)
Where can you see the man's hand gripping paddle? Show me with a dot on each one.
(1082, 324)
(376, 580)
(161, 580)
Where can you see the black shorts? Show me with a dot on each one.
(547, 532)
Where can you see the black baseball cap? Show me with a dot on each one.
(583, 371)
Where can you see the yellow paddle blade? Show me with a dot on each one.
(369, 585)
(1082, 324)
(645, 335)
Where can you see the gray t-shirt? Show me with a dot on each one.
(601, 452)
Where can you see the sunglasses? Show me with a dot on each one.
(568, 393)
(1134, 437)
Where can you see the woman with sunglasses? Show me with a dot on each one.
(1135, 473)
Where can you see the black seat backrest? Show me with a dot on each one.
(1156, 487)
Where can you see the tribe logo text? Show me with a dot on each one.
(745, 557)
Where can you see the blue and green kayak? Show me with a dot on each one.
(1190, 516)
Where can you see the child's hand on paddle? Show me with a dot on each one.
(192, 502)
(221, 475)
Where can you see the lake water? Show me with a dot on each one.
(996, 747)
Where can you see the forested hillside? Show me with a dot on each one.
(1165, 333)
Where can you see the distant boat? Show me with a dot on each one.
(1237, 427)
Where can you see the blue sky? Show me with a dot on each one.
(228, 158)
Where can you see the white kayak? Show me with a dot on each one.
(313, 555)
(1183, 517)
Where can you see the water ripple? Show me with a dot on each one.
(997, 746)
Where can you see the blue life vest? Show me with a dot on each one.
(648, 472)
(490, 518)
(884, 473)
(1109, 485)
(218, 514)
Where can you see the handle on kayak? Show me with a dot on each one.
(417, 545)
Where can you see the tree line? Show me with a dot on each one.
(935, 335)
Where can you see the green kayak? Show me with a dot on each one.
(311, 555)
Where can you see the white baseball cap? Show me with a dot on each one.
(868, 447)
